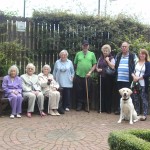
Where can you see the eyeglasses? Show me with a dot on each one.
(30, 68)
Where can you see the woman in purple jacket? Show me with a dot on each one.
(12, 87)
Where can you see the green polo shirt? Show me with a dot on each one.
(84, 62)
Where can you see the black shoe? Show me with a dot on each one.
(61, 111)
(79, 108)
(117, 113)
(86, 109)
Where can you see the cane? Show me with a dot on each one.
(38, 106)
(87, 94)
(100, 94)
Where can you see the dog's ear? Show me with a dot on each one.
(130, 91)
(120, 91)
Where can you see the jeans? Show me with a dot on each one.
(144, 101)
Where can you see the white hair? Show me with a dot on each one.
(30, 65)
(63, 51)
(13, 67)
(46, 66)
(106, 47)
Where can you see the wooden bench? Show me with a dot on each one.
(3, 101)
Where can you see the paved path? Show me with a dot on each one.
(72, 131)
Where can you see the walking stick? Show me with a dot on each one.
(87, 94)
(100, 94)
(38, 106)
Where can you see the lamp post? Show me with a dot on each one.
(99, 5)
(24, 8)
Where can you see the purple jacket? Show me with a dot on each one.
(8, 85)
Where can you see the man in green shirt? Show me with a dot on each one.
(85, 63)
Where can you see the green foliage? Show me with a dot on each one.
(129, 140)
(9, 52)
(98, 30)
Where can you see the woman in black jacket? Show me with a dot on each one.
(141, 75)
(105, 60)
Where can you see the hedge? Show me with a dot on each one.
(129, 140)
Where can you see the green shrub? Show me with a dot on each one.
(129, 140)
(9, 52)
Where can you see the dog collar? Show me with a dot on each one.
(125, 99)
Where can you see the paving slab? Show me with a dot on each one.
(71, 131)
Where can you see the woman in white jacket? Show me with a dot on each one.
(49, 88)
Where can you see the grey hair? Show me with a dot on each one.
(63, 51)
(30, 65)
(106, 46)
(46, 66)
(13, 67)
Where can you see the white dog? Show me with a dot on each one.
(127, 110)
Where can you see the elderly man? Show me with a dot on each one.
(85, 63)
(125, 65)
(32, 90)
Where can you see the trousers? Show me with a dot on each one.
(31, 100)
(15, 103)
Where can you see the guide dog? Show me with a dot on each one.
(127, 111)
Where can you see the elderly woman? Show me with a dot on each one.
(12, 87)
(64, 73)
(105, 60)
(49, 89)
(32, 90)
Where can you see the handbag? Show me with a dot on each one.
(135, 86)
(109, 71)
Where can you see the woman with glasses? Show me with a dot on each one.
(12, 87)
(64, 73)
(32, 90)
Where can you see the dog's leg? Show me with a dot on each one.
(131, 121)
(135, 117)
(121, 116)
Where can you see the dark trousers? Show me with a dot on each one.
(66, 97)
(141, 100)
(80, 87)
(120, 85)
(106, 93)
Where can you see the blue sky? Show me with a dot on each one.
(138, 8)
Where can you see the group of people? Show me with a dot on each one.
(35, 88)
(128, 69)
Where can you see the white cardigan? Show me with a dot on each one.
(43, 83)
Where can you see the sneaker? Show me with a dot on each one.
(51, 112)
(18, 116)
(67, 109)
(57, 113)
(12, 116)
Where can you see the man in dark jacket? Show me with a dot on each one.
(125, 64)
